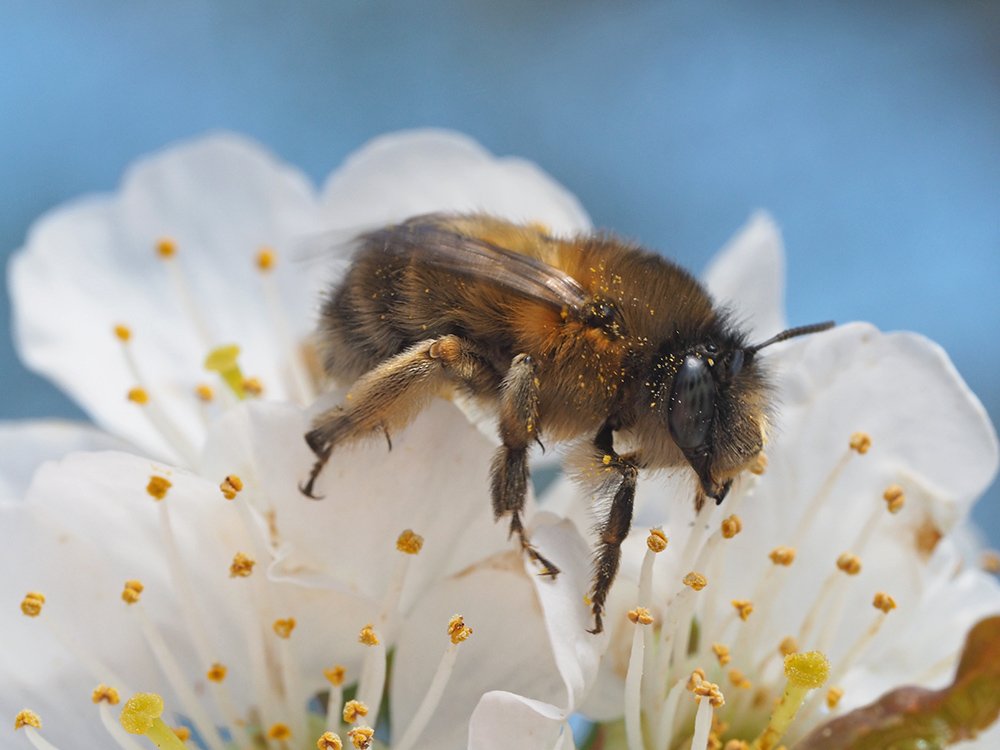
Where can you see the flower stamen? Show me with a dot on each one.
(804, 671)
(141, 715)
(224, 360)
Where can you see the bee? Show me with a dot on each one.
(589, 339)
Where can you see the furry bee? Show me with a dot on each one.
(589, 339)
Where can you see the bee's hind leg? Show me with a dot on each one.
(509, 473)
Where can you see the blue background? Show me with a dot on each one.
(870, 130)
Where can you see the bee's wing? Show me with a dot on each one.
(433, 242)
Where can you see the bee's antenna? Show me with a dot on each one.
(791, 333)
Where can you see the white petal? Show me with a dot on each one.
(748, 277)
(503, 720)
(414, 172)
(91, 265)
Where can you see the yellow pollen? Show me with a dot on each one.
(241, 566)
(138, 396)
(367, 635)
(861, 442)
(731, 526)
(884, 602)
(182, 733)
(204, 392)
(759, 465)
(833, 696)
(788, 646)
(354, 709)
(31, 604)
(739, 680)
(808, 670)
(166, 248)
(266, 258)
(158, 487)
(657, 540)
(329, 741)
(279, 731)
(782, 555)
(217, 672)
(721, 653)
(458, 631)
(744, 607)
(231, 486)
(122, 333)
(894, 498)
(105, 694)
(606, 459)
(140, 712)
(253, 386)
(990, 561)
(640, 616)
(335, 674)
(409, 542)
(361, 737)
(224, 360)
(710, 690)
(284, 628)
(26, 718)
(850, 564)
(132, 591)
(697, 677)
(695, 580)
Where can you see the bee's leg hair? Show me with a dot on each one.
(391, 395)
(615, 527)
(509, 473)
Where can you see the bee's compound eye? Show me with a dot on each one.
(692, 403)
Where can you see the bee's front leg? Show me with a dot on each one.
(518, 427)
(615, 527)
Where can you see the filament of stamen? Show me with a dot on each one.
(335, 676)
(665, 725)
(702, 725)
(37, 740)
(641, 639)
(820, 499)
(184, 296)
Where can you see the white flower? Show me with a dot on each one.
(798, 555)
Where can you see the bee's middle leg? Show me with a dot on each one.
(518, 428)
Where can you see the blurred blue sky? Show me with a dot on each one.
(870, 130)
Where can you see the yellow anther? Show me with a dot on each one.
(26, 718)
(782, 555)
(361, 737)
(737, 745)
(759, 465)
(354, 709)
(833, 696)
(166, 248)
(132, 591)
(284, 628)
(861, 442)
(409, 542)
(217, 672)
(850, 564)
(744, 608)
(266, 258)
(458, 631)
(158, 487)
(721, 653)
(335, 674)
(894, 498)
(606, 459)
(788, 646)
(225, 361)
(695, 580)
(140, 712)
(138, 396)
(731, 526)
(204, 392)
(105, 694)
(31, 604)
(657, 540)
(884, 602)
(329, 741)
(990, 561)
(640, 616)
(367, 635)
(279, 731)
(710, 690)
(808, 670)
(253, 387)
(231, 486)
(182, 733)
(122, 333)
(697, 677)
(241, 566)
(739, 680)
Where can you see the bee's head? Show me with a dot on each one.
(717, 405)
